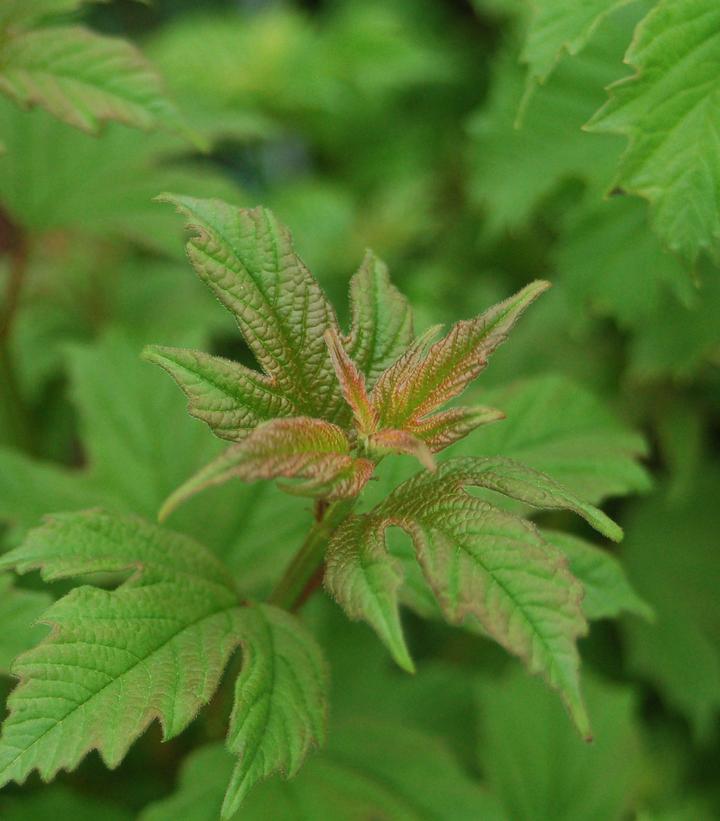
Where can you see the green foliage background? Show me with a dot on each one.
(451, 138)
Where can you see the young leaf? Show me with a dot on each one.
(410, 390)
(247, 259)
(390, 440)
(280, 708)
(85, 79)
(557, 27)
(608, 593)
(19, 613)
(301, 448)
(352, 384)
(668, 110)
(365, 581)
(479, 561)
(229, 397)
(382, 326)
(115, 661)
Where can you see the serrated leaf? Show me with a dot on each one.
(479, 561)
(352, 384)
(19, 612)
(519, 723)
(382, 325)
(366, 582)
(247, 259)
(280, 710)
(444, 429)
(115, 661)
(390, 440)
(406, 394)
(85, 79)
(295, 448)
(558, 26)
(515, 168)
(608, 593)
(668, 110)
(229, 397)
(558, 427)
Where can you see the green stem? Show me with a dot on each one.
(307, 561)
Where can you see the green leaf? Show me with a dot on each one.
(382, 325)
(247, 259)
(370, 770)
(365, 581)
(280, 709)
(639, 278)
(559, 26)
(556, 426)
(55, 177)
(608, 593)
(296, 448)
(115, 661)
(229, 397)
(668, 110)
(19, 612)
(479, 561)
(410, 390)
(22, 12)
(520, 724)
(671, 558)
(515, 166)
(85, 79)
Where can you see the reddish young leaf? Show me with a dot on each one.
(300, 447)
(352, 383)
(400, 441)
(418, 384)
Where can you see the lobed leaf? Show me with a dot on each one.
(352, 384)
(280, 709)
(668, 110)
(85, 79)
(229, 397)
(382, 325)
(247, 259)
(116, 660)
(417, 385)
(480, 563)
(298, 448)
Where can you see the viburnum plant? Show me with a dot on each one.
(323, 410)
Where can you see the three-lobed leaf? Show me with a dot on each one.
(154, 648)
(480, 563)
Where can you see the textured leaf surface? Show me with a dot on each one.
(669, 111)
(229, 397)
(298, 448)
(247, 259)
(382, 326)
(154, 648)
(608, 593)
(370, 770)
(416, 385)
(479, 561)
(559, 428)
(520, 722)
(280, 709)
(19, 613)
(85, 79)
(559, 26)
